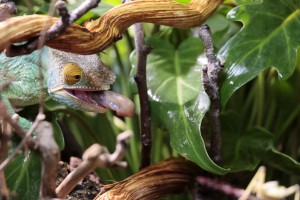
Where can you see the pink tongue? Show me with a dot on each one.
(114, 101)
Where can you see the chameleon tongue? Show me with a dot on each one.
(114, 101)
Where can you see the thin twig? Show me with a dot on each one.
(43, 143)
(50, 155)
(24, 141)
(4, 194)
(60, 26)
(5, 135)
(82, 9)
(210, 77)
(7, 8)
(142, 50)
(8, 119)
(40, 43)
(95, 156)
(56, 29)
(216, 185)
(26, 137)
(8, 124)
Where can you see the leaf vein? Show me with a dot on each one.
(162, 86)
(267, 39)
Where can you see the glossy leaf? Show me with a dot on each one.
(23, 176)
(283, 162)
(245, 148)
(222, 28)
(178, 101)
(58, 134)
(269, 38)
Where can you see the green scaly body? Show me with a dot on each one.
(22, 76)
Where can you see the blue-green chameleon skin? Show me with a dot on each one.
(21, 74)
(21, 77)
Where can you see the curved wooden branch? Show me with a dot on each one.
(171, 176)
(99, 34)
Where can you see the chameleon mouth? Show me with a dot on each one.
(105, 99)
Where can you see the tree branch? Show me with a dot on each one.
(7, 8)
(99, 34)
(95, 156)
(25, 139)
(142, 50)
(210, 77)
(50, 155)
(5, 135)
(55, 30)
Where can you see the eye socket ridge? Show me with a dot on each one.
(72, 73)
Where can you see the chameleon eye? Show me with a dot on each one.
(72, 73)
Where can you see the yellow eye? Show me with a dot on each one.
(72, 73)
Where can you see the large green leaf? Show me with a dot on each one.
(269, 38)
(178, 100)
(23, 176)
(222, 28)
(244, 148)
(283, 162)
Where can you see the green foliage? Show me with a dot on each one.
(268, 28)
(268, 39)
(245, 147)
(58, 135)
(178, 100)
(23, 176)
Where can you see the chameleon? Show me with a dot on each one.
(81, 82)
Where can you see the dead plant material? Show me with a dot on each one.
(171, 176)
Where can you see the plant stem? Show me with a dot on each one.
(142, 51)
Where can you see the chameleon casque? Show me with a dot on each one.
(78, 81)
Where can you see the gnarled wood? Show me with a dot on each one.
(99, 34)
(171, 176)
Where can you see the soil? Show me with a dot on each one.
(86, 189)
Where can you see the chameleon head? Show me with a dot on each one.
(82, 83)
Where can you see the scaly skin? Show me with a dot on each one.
(87, 93)
(22, 75)
(95, 77)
